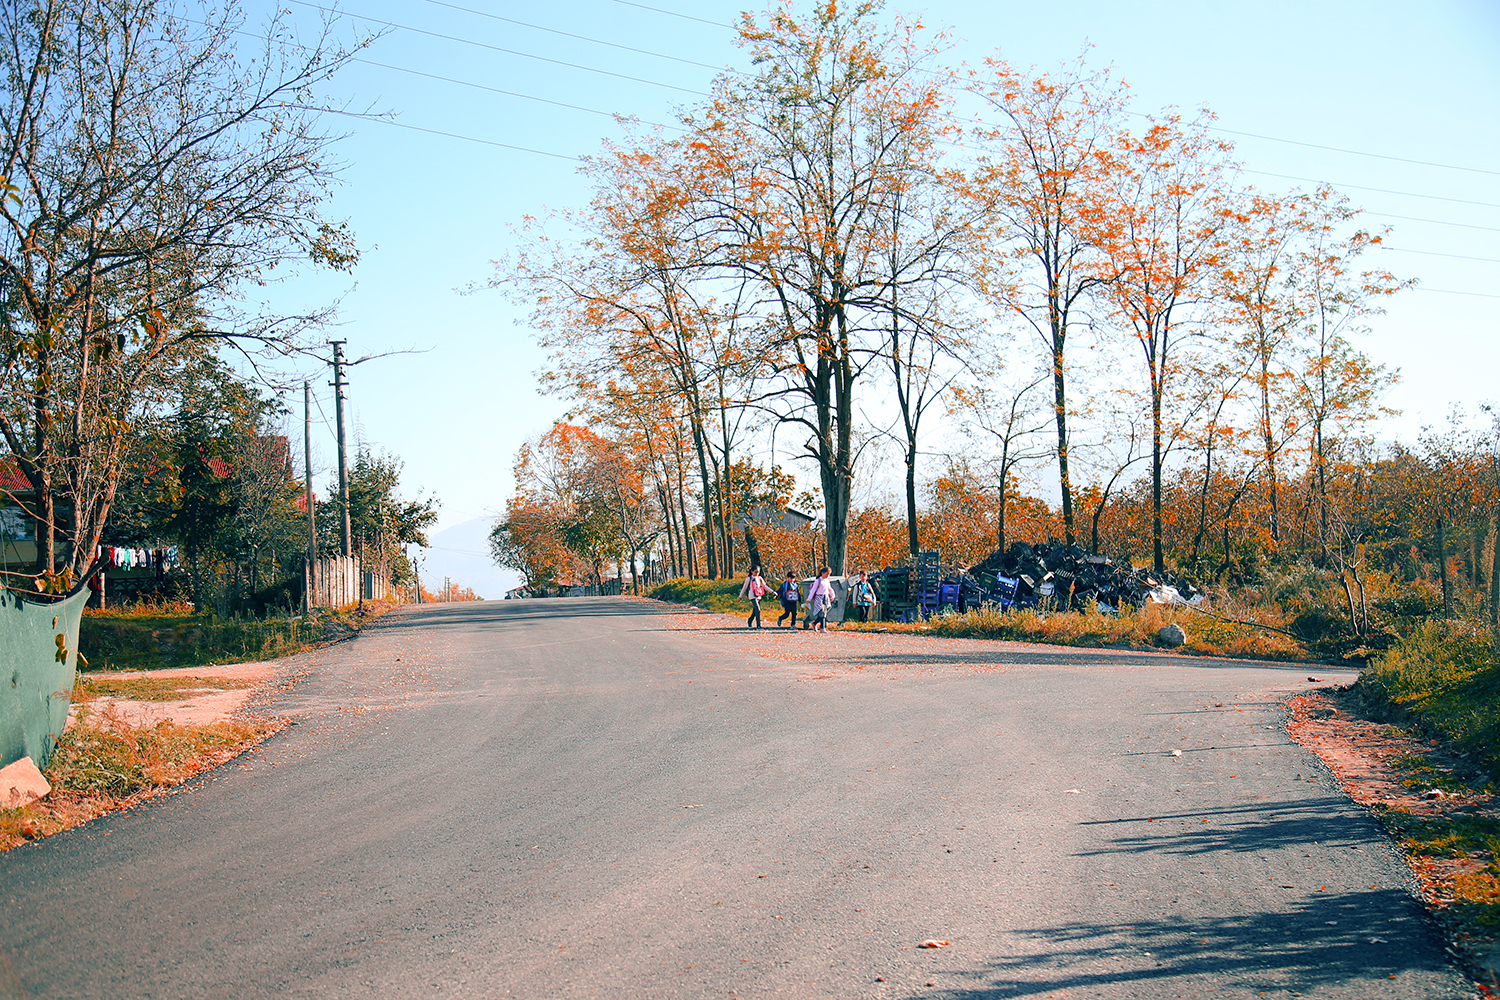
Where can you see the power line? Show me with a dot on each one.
(569, 34)
(673, 13)
(1356, 187)
(1435, 222)
(1351, 152)
(1434, 253)
(655, 83)
(678, 128)
(496, 48)
(451, 135)
(1453, 291)
(507, 93)
(1211, 128)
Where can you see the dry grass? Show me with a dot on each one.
(1224, 628)
(103, 764)
(171, 634)
(87, 688)
(1207, 634)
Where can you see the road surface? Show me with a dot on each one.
(614, 798)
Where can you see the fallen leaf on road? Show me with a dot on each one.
(931, 943)
(1072, 791)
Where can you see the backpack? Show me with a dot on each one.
(789, 591)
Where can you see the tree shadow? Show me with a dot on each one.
(482, 614)
(1322, 820)
(1322, 940)
(1068, 656)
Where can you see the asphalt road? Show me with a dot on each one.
(608, 798)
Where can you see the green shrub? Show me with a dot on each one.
(1445, 677)
(715, 595)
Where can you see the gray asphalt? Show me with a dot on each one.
(606, 798)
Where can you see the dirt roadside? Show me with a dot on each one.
(1425, 796)
(200, 707)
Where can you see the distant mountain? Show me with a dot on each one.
(462, 553)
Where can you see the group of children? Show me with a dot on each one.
(819, 598)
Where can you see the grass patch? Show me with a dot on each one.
(103, 764)
(164, 636)
(1207, 634)
(1445, 679)
(715, 595)
(1422, 774)
(1460, 835)
(150, 688)
(1128, 630)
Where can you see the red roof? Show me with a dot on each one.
(10, 475)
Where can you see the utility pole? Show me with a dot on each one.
(312, 526)
(338, 399)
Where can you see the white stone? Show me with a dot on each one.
(21, 783)
(1171, 636)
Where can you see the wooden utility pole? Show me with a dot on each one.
(312, 526)
(338, 402)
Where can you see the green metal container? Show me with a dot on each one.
(38, 657)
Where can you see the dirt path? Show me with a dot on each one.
(200, 706)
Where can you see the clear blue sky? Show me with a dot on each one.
(1405, 81)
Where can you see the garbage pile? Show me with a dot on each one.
(1068, 576)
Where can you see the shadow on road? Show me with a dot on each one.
(480, 614)
(1238, 828)
(1065, 656)
(1320, 940)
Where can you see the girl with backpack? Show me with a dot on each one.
(789, 595)
(755, 588)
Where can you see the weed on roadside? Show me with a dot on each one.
(173, 636)
(86, 688)
(103, 763)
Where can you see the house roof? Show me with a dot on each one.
(10, 475)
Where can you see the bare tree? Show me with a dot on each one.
(150, 174)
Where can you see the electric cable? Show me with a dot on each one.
(1356, 187)
(655, 83)
(510, 93)
(569, 34)
(1211, 128)
(449, 135)
(1435, 222)
(673, 13)
(497, 48)
(1454, 291)
(1434, 253)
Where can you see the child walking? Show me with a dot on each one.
(789, 595)
(755, 588)
(819, 597)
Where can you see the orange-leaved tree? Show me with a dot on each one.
(796, 170)
(1039, 176)
(1158, 232)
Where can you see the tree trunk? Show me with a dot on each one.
(1495, 577)
(1443, 567)
(1060, 406)
(708, 518)
(912, 541)
(751, 546)
(1158, 557)
(1265, 424)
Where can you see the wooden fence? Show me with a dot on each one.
(339, 580)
